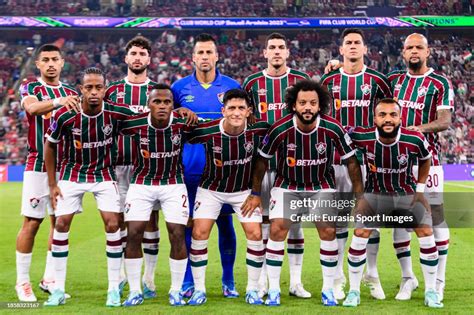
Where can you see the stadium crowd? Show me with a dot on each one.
(226, 8)
(240, 56)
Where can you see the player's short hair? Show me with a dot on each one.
(47, 48)
(139, 41)
(388, 100)
(236, 93)
(92, 70)
(204, 37)
(274, 36)
(307, 85)
(160, 86)
(348, 31)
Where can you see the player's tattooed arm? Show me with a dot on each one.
(253, 200)
(442, 122)
(35, 107)
(353, 168)
(50, 164)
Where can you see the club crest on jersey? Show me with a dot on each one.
(76, 131)
(176, 139)
(321, 147)
(261, 92)
(120, 94)
(397, 87)
(291, 147)
(422, 90)
(107, 129)
(336, 89)
(34, 202)
(126, 207)
(248, 146)
(402, 159)
(365, 88)
(217, 149)
(220, 97)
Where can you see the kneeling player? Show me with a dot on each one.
(305, 140)
(158, 176)
(229, 144)
(389, 152)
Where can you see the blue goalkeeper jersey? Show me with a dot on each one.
(206, 101)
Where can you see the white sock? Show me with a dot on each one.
(328, 258)
(123, 235)
(341, 237)
(254, 258)
(295, 250)
(23, 263)
(356, 260)
(441, 234)
(198, 257)
(178, 269)
(372, 252)
(114, 253)
(401, 243)
(274, 259)
(60, 252)
(263, 273)
(133, 268)
(49, 268)
(151, 241)
(429, 261)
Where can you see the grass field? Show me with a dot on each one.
(87, 272)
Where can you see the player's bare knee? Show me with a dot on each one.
(200, 233)
(278, 231)
(253, 233)
(31, 225)
(437, 214)
(424, 231)
(176, 233)
(327, 233)
(364, 233)
(62, 224)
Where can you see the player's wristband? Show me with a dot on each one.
(420, 188)
(255, 193)
(56, 103)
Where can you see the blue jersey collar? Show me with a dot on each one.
(217, 81)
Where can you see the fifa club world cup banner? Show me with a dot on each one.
(243, 23)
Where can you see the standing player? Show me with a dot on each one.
(158, 176)
(427, 101)
(133, 90)
(305, 140)
(267, 89)
(202, 92)
(90, 136)
(389, 152)
(39, 98)
(355, 89)
(229, 144)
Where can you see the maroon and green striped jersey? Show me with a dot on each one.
(420, 97)
(229, 159)
(160, 158)
(38, 125)
(305, 159)
(135, 96)
(89, 142)
(354, 97)
(268, 96)
(389, 166)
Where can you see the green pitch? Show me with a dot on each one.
(87, 273)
